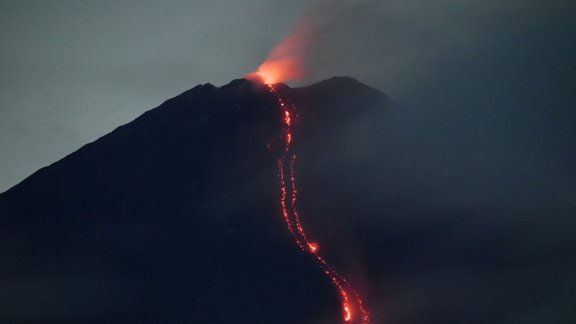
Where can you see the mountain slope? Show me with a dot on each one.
(174, 217)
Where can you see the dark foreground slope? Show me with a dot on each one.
(174, 217)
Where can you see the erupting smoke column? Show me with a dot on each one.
(352, 306)
(285, 61)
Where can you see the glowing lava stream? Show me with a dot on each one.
(352, 306)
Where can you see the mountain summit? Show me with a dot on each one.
(174, 217)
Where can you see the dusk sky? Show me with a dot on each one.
(73, 71)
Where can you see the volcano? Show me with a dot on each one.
(175, 217)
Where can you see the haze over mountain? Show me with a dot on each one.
(175, 217)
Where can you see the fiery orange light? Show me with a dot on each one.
(287, 119)
(351, 301)
(348, 314)
(285, 61)
(313, 247)
(279, 70)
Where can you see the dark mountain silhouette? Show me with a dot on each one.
(435, 215)
(175, 217)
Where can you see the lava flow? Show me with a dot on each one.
(352, 306)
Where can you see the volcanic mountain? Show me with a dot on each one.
(175, 217)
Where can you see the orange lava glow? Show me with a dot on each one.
(279, 70)
(313, 247)
(347, 315)
(285, 61)
(352, 305)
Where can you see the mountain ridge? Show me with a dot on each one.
(339, 81)
(182, 203)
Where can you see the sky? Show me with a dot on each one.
(72, 71)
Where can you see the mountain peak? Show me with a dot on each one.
(341, 79)
(340, 83)
(193, 184)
